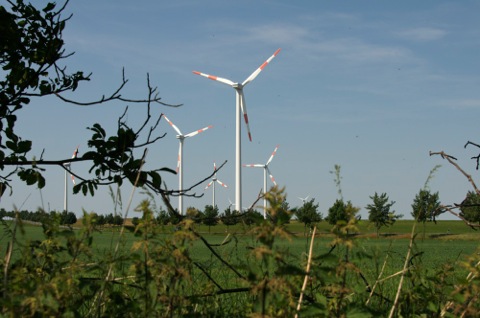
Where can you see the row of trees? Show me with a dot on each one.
(65, 218)
(425, 207)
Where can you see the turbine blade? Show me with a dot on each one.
(173, 125)
(75, 154)
(179, 159)
(271, 177)
(258, 70)
(273, 154)
(222, 184)
(208, 185)
(196, 132)
(254, 165)
(215, 78)
(214, 166)
(243, 106)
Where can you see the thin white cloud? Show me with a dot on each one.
(423, 34)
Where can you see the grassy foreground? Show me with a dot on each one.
(241, 271)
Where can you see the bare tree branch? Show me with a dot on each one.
(451, 159)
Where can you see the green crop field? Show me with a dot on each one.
(223, 254)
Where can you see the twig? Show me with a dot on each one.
(451, 159)
(8, 257)
(400, 284)
(122, 230)
(307, 273)
(377, 281)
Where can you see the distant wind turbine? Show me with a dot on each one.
(181, 137)
(304, 199)
(240, 107)
(68, 166)
(214, 179)
(265, 171)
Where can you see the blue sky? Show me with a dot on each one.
(372, 86)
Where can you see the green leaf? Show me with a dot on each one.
(24, 146)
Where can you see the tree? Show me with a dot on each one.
(425, 205)
(282, 215)
(230, 217)
(308, 213)
(341, 212)
(32, 57)
(470, 207)
(109, 219)
(68, 218)
(379, 212)
(252, 217)
(117, 220)
(135, 221)
(163, 217)
(210, 216)
(195, 214)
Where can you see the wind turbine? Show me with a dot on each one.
(304, 199)
(240, 107)
(265, 171)
(65, 195)
(181, 137)
(214, 179)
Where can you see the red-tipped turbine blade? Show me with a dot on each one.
(215, 78)
(273, 154)
(75, 153)
(222, 184)
(73, 179)
(173, 125)
(243, 106)
(214, 166)
(258, 70)
(179, 159)
(196, 132)
(208, 185)
(271, 177)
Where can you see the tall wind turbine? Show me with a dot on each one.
(240, 107)
(265, 171)
(65, 195)
(214, 179)
(181, 137)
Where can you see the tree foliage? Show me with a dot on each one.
(424, 206)
(379, 211)
(32, 57)
(308, 213)
(341, 212)
(230, 217)
(283, 213)
(470, 207)
(210, 216)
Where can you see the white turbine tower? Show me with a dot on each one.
(181, 137)
(265, 171)
(240, 107)
(214, 179)
(65, 194)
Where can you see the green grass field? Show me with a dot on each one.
(445, 245)
(444, 242)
